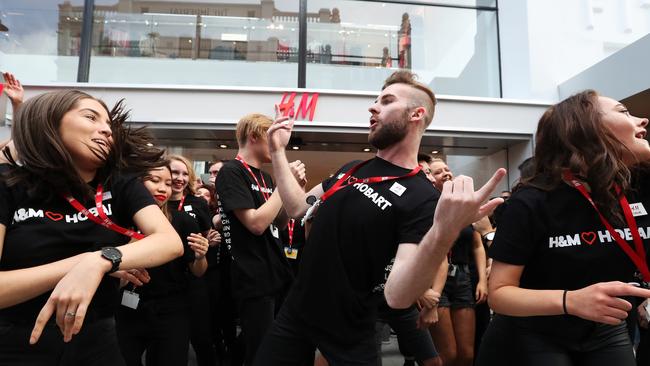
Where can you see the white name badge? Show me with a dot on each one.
(638, 209)
(130, 299)
(398, 189)
(188, 208)
(274, 231)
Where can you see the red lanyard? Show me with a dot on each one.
(290, 226)
(637, 255)
(349, 179)
(180, 204)
(264, 192)
(102, 220)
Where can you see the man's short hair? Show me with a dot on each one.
(424, 158)
(252, 125)
(410, 79)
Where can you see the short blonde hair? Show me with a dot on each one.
(190, 171)
(252, 125)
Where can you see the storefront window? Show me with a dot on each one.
(254, 43)
(454, 50)
(42, 39)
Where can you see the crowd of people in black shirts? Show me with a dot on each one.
(114, 253)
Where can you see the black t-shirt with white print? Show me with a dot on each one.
(351, 247)
(41, 232)
(259, 267)
(559, 238)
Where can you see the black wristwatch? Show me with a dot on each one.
(114, 256)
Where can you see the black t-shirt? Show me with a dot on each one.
(199, 210)
(559, 238)
(461, 252)
(259, 267)
(172, 278)
(351, 247)
(196, 207)
(41, 232)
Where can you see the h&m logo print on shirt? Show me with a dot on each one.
(603, 236)
(591, 237)
(23, 214)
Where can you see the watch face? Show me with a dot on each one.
(111, 253)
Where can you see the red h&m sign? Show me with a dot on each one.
(306, 105)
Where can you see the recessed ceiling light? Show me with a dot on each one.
(149, 144)
(223, 146)
(296, 148)
(366, 149)
(435, 152)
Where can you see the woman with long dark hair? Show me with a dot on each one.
(572, 238)
(160, 322)
(65, 207)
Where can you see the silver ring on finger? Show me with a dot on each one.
(70, 314)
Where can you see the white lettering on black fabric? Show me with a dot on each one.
(593, 237)
(367, 191)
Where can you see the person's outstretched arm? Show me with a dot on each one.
(600, 302)
(294, 198)
(73, 293)
(415, 264)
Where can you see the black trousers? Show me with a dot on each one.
(160, 327)
(289, 343)
(256, 317)
(95, 345)
(412, 341)
(201, 322)
(506, 342)
(224, 310)
(643, 351)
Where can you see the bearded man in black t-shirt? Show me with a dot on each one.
(366, 223)
(252, 217)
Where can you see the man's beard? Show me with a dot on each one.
(389, 133)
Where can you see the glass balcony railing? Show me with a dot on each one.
(350, 45)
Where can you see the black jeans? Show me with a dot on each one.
(160, 327)
(507, 342)
(95, 345)
(289, 343)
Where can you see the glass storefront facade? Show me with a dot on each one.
(42, 40)
(347, 45)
